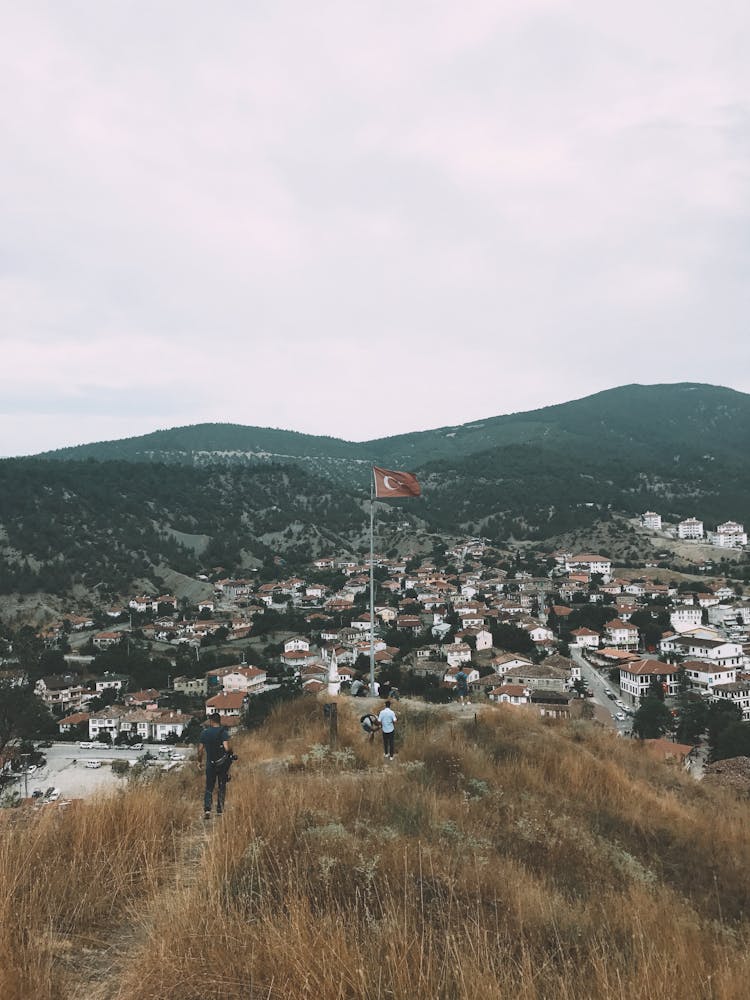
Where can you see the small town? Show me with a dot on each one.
(570, 635)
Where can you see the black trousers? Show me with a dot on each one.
(215, 775)
(388, 743)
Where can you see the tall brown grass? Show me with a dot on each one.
(495, 858)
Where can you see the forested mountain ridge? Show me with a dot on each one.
(217, 494)
(648, 421)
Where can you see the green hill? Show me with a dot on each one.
(120, 508)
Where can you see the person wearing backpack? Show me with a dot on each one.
(214, 740)
(369, 723)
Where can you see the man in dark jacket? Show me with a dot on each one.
(214, 740)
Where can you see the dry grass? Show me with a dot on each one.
(501, 858)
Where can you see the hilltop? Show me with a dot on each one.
(496, 857)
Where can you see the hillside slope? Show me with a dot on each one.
(494, 858)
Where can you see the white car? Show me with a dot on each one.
(620, 716)
(177, 756)
(31, 768)
(54, 795)
(86, 746)
(93, 763)
(137, 746)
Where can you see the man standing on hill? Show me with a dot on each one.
(387, 720)
(215, 741)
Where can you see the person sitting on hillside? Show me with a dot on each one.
(358, 688)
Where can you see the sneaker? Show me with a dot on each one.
(385, 754)
(391, 758)
(207, 815)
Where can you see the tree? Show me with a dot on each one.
(22, 715)
(732, 741)
(720, 715)
(652, 719)
(692, 721)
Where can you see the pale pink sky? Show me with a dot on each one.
(362, 219)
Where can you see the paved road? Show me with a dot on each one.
(599, 683)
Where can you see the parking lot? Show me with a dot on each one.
(66, 769)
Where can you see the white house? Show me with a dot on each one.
(585, 637)
(636, 678)
(457, 653)
(705, 676)
(651, 520)
(472, 675)
(483, 639)
(589, 564)
(510, 694)
(296, 644)
(247, 679)
(738, 692)
(504, 662)
(691, 527)
(718, 652)
(729, 535)
(620, 634)
(685, 617)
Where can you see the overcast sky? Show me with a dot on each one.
(364, 218)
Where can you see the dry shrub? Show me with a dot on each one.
(500, 858)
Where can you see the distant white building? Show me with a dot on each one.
(651, 520)
(691, 527)
(729, 535)
(685, 616)
(589, 564)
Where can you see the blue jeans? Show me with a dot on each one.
(212, 776)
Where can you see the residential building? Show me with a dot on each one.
(651, 520)
(706, 675)
(61, 692)
(716, 651)
(738, 692)
(636, 678)
(691, 528)
(685, 616)
(621, 635)
(585, 637)
(729, 535)
(196, 687)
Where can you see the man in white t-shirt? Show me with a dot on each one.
(387, 720)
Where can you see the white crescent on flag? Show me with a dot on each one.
(395, 484)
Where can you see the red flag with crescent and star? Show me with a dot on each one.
(394, 484)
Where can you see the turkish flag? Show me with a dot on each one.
(394, 484)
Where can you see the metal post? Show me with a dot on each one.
(372, 587)
(25, 759)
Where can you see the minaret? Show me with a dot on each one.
(334, 681)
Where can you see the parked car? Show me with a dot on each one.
(137, 746)
(86, 746)
(31, 768)
(177, 756)
(620, 716)
(54, 795)
(44, 746)
(93, 763)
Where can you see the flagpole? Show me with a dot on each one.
(372, 586)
